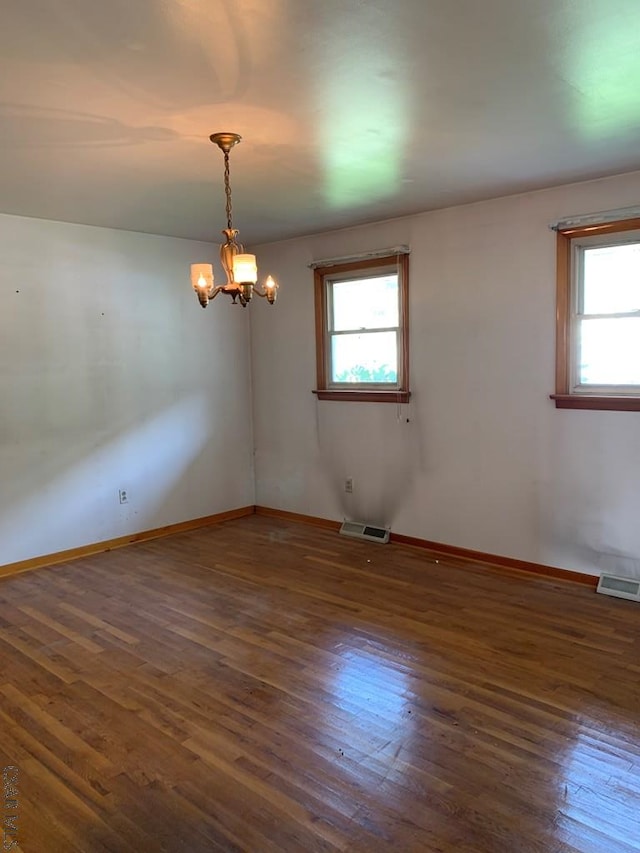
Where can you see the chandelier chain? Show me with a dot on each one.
(227, 188)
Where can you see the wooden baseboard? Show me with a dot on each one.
(121, 541)
(487, 560)
(327, 523)
(496, 561)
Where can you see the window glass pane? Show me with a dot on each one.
(366, 303)
(612, 279)
(609, 352)
(370, 357)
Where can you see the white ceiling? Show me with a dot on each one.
(351, 110)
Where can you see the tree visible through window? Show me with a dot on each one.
(362, 330)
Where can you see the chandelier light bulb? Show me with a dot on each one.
(201, 276)
(270, 289)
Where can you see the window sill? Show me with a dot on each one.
(589, 401)
(364, 396)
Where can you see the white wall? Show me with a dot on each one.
(112, 376)
(486, 461)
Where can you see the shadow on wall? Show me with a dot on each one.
(71, 498)
(589, 517)
(379, 447)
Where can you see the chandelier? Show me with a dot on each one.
(239, 266)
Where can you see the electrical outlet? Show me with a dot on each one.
(348, 485)
(123, 496)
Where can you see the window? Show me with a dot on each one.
(598, 317)
(362, 340)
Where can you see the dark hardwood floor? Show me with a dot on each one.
(267, 686)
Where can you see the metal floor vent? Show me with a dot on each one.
(365, 531)
(619, 587)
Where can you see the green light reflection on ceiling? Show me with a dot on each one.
(362, 145)
(604, 63)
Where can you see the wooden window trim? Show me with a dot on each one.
(564, 398)
(323, 391)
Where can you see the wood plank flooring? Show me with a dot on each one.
(262, 685)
